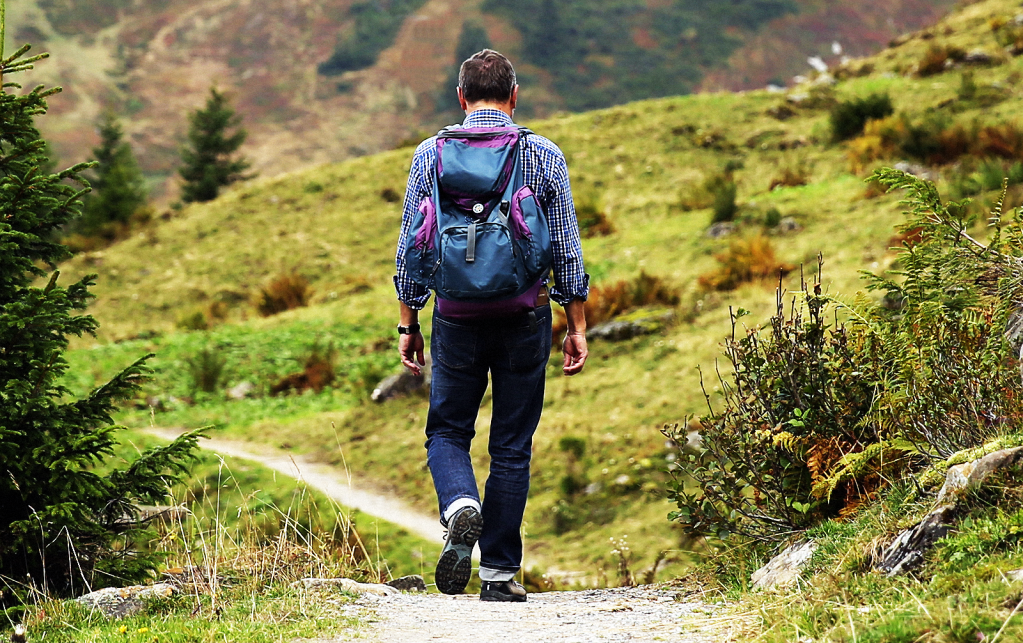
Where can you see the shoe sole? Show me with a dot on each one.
(499, 597)
(455, 564)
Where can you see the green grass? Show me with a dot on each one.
(333, 225)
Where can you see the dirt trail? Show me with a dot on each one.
(634, 615)
(337, 485)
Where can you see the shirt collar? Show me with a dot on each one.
(487, 117)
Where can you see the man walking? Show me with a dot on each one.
(471, 341)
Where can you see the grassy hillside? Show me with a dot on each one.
(640, 164)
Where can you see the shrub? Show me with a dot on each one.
(772, 218)
(318, 372)
(1008, 34)
(746, 260)
(593, 222)
(285, 292)
(724, 206)
(705, 194)
(935, 60)
(207, 370)
(611, 300)
(390, 195)
(67, 521)
(934, 139)
(849, 117)
(817, 416)
(791, 177)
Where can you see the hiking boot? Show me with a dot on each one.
(503, 590)
(455, 564)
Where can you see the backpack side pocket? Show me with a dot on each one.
(532, 235)
(421, 251)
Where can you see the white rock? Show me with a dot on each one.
(783, 570)
(241, 390)
(964, 476)
(347, 585)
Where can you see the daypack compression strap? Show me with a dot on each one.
(470, 244)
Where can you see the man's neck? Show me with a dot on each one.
(501, 107)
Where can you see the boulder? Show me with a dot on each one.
(346, 585)
(720, 229)
(119, 602)
(971, 474)
(401, 384)
(414, 583)
(788, 225)
(784, 569)
(907, 551)
(630, 326)
(241, 390)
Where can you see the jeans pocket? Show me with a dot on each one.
(527, 349)
(453, 345)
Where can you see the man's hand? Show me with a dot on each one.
(411, 347)
(575, 352)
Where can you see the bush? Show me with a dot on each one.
(849, 117)
(745, 261)
(936, 59)
(724, 206)
(1008, 34)
(608, 301)
(791, 177)
(206, 370)
(286, 292)
(817, 417)
(318, 372)
(935, 139)
(593, 221)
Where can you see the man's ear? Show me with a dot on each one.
(461, 101)
(514, 97)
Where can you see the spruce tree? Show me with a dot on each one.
(118, 187)
(471, 40)
(65, 525)
(209, 157)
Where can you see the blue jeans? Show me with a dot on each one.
(515, 356)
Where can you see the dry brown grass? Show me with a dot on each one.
(745, 261)
(609, 301)
(286, 292)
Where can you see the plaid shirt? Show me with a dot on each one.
(544, 170)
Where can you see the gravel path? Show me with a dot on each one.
(337, 485)
(633, 615)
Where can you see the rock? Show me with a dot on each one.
(720, 229)
(19, 635)
(788, 225)
(620, 329)
(346, 585)
(119, 602)
(1015, 575)
(402, 383)
(241, 390)
(972, 474)
(413, 583)
(783, 570)
(978, 57)
(907, 551)
(919, 171)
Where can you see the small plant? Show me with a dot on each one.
(724, 206)
(772, 218)
(194, 320)
(791, 177)
(848, 118)
(937, 59)
(286, 292)
(318, 372)
(745, 261)
(1008, 34)
(390, 195)
(207, 370)
(623, 555)
(593, 221)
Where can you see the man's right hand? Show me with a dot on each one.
(411, 348)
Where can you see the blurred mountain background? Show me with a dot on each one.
(323, 80)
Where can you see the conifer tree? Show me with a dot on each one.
(64, 525)
(118, 188)
(209, 157)
(472, 39)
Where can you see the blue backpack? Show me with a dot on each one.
(481, 236)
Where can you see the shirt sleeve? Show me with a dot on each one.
(420, 186)
(570, 279)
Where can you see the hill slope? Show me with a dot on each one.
(152, 62)
(639, 163)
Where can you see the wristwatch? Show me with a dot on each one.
(409, 330)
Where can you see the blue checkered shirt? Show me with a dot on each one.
(544, 170)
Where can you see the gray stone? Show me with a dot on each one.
(971, 474)
(414, 583)
(789, 225)
(919, 171)
(978, 57)
(783, 570)
(241, 390)
(621, 329)
(906, 552)
(119, 602)
(346, 585)
(720, 229)
(1015, 575)
(403, 383)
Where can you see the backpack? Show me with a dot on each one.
(481, 236)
